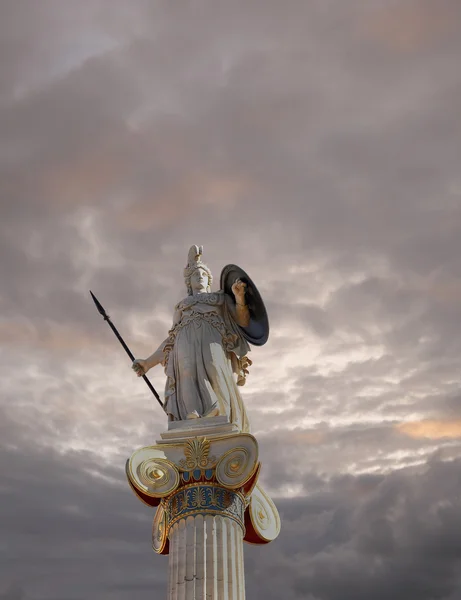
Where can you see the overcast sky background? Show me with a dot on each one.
(317, 144)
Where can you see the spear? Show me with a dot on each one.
(120, 339)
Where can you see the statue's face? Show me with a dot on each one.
(199, 280)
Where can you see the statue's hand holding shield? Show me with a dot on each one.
(238, 289)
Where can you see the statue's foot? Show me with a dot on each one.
(193, 415)
(213, 412)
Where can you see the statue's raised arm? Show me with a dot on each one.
(205, 355)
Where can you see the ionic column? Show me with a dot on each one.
(203, 479)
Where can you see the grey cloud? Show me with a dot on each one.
(371, 535)
(12, 592)
(72, 527)
(294, 455)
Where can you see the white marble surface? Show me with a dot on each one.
(206, 559)
(192, 424)
(209, 426)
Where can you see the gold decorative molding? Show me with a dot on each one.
(197, 453)
(204, 476)
(204, 498)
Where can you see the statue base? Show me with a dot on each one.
(209, 427)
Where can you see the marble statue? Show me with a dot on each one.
(205, 355)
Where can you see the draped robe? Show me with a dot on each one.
(204, 359)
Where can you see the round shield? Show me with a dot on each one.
(257, 331)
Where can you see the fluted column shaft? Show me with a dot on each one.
(206, 559)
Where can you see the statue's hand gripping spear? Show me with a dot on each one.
(120, 339)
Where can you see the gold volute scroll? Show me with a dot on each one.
(264, 515)
(237, 465)
(152, 474)
(159, 531)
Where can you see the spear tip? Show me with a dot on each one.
(98, 305)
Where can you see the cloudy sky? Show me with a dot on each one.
(317, 144)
